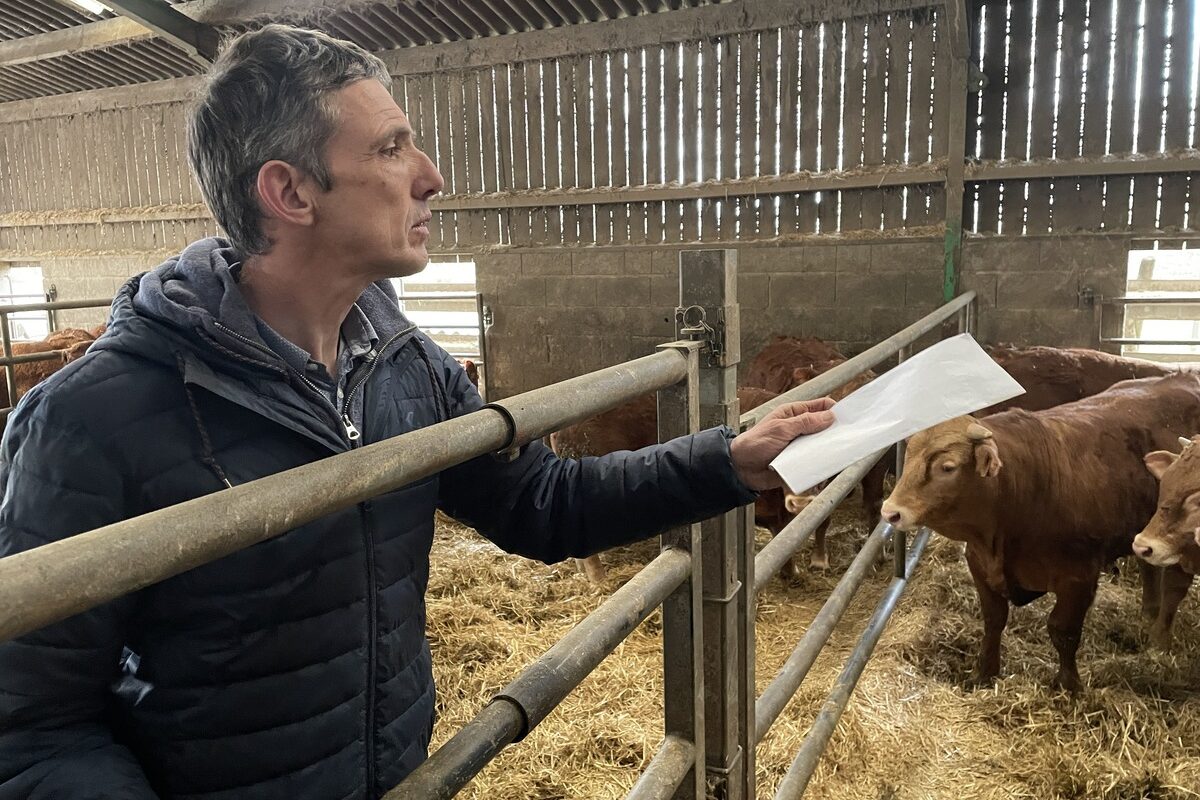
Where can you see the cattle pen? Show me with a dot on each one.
(706, 576)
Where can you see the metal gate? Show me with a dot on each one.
(705, 578)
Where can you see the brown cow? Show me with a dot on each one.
(633, 426)
(1172, 536)
(472, 370)
(69, 343)
(774, 367)
(1044, 500)
(1052, 376)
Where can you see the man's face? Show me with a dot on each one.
(376, 214)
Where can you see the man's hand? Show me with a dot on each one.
(753, 450)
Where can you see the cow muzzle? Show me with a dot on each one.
(795, 503)
(1154, 551)
(898, 517)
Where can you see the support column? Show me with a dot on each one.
(708, 299)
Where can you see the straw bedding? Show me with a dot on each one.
(913, 729)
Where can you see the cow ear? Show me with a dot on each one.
(1158, 462)
(1196, 536)
(987, 458)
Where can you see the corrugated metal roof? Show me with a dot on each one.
(376, 26)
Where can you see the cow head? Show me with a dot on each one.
(944, 468)
(1173, 533)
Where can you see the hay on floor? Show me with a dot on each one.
(912, 729)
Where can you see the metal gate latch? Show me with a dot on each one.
(693, 325)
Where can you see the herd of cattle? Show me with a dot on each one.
(1046, 490)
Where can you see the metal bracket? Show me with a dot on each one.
(729, 598)
(729, 767)
(1087, 297)
(691, 323)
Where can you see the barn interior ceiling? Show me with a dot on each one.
(50, 47)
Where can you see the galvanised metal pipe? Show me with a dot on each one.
(800, 772)
(57, 305)
(25, 358)
(670, 765)
(460, 759)
(845, 372)
(554, 407)
(783, 687)
(544, 684)
(784, 544)
(58, 580)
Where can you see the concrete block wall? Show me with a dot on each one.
(563, 312)
(88, 277)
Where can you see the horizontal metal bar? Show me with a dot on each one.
(785, 683)
(675, 758)
(1126, 340)
(56, 305)
(847, 371)
(25, 358)
(544, 684)
(58, 580)
(798, 775)
(438, 295)
(431, 327)
(1112, 164)
(861, 178)
(784, 544)
(467, 752)
(1134, 300)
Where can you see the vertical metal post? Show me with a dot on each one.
(683, 610)
(10, 376)
(955, 76)
(900, 538)
(708, 280)
(481, 320)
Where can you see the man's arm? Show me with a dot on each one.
(54, 683)
(549, 508)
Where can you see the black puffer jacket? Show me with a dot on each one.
(297, 668)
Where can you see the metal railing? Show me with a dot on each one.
(705, 578)
(9, 361)
(1190, 299)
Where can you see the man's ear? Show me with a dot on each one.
(285, 193)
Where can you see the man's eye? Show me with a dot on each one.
(391, 151)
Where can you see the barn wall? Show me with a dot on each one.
(562, 312)
(824, 165)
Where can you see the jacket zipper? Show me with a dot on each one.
(353, 435)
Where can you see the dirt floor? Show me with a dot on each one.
(912, 730)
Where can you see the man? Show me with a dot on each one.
(299, 666)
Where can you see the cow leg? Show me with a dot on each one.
(820, 557)
(1175, 584)
(872, 490)
(593, 568)
(995, 617)
(1065, 626)
(1151, 590)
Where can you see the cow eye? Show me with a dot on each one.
(948, 467)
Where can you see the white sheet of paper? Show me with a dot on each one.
(951, 378)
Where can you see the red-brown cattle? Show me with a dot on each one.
(635, 425)
(472, 370)
(1052, 376)
(69, 343)
(774, 367)
(1172, 536)
(1045, 500)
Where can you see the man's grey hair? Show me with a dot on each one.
(267, 98)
